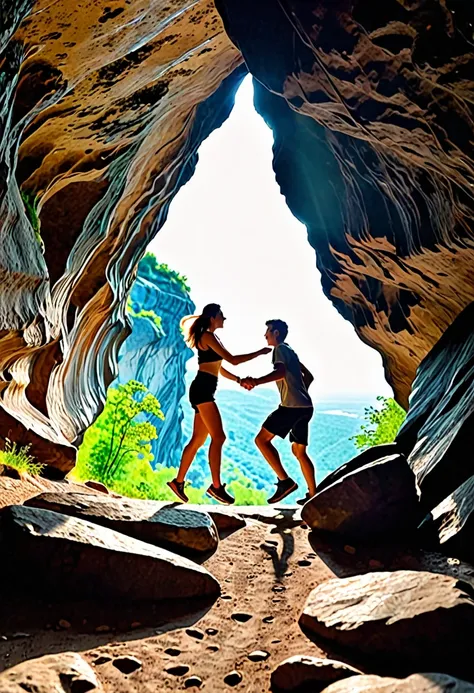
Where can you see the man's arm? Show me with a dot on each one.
(308, 377)
(278, 373)
(229, 376)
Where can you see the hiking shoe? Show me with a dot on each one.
(178, 489)
(302, 501)
(284, 488)
(220, 494)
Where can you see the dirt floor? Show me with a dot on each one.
(266, 571)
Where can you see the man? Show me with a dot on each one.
(292, 416)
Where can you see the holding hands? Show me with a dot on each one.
(248, 383)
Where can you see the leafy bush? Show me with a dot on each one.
(116, 451)
(19, 458)
(120, 437)
(381, 425)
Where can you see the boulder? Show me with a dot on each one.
(226, 519)
(303, 673)
(417, 683)
(188, 532)
(453, 520)
(70, 557)
(65, 672)
(376, 452)
(400, 620)
(378, 498)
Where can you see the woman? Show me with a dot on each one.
(207, 418)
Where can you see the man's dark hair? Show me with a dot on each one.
(279, 325)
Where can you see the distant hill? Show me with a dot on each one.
(334, 422)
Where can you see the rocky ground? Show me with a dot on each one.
(265, 603)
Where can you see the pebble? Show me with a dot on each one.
(177, 669)
(349, 549)
(258, 656)
(195, 633)
(127, 664)
(233, 679)
(102, 629)
(193, 682)
(62, 623)
(241, 618)
(172, 651)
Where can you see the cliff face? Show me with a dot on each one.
(156, 356)
(102, 110)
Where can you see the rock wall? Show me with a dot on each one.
(157, 356)
(371, 109)
(103, 110)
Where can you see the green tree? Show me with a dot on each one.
(381, 425)
(120, 437)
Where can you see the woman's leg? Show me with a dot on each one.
(211, 417)
(198, 439)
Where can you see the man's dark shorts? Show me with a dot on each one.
(292, 420)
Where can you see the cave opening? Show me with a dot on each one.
(231, 239)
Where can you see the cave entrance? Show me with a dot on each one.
(230, 233)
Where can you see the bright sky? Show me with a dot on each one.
(231, 234)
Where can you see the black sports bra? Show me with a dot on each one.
(208, 355)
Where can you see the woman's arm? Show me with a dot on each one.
(229, 376)
(209, 340)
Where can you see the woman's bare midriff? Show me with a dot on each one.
(212, 368)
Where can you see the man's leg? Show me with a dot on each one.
(263, 441)
(307, 467)
(285, 484)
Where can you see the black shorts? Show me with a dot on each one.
(292, 420)
(203, 389)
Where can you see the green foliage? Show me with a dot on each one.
(119, 437)
(19, 459)
(30, 200)
(149, 314)
(117, 452)
(381, 425)
(149, 267)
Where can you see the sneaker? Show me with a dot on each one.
(220, 494)
(178, 489)
(302, 501)
(284, 488)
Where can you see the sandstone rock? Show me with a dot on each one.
(178, 529)
(417, 683)
(67, 556)
(453, 519)
(403, 619)
(378, 499)
(226, 519)
(301, 673)
(376, 452)
(65, 672)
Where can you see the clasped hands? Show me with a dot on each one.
(248, 383)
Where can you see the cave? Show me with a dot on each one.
(103, 108)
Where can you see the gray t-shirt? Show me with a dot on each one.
(292, 389)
